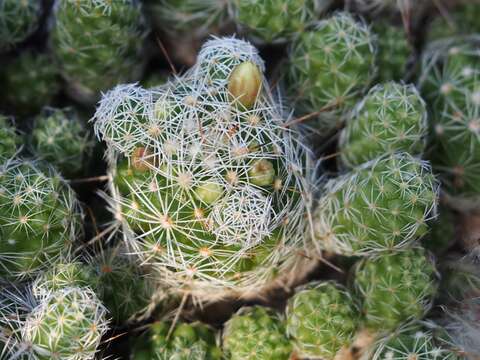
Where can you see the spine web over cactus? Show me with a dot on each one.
(208, 183)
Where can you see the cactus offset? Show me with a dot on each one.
(329, 66)
(379, 206)
(391, 118)
(256, 333)
(322, 320)
(60, 138)
(40, 218)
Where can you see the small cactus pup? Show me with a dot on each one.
(256, 333)
(187, 341)
(32, 80)
(18, 20)
(329, 66)
(40, 218)
(394, 51)
(394, 288)
(382, 205)
(450, 84)
(96, 44)
(60, 138)
(66, 324)
(120, 284)
(391, 118)
(10, 140)
(413, 342)
(277, 21)
(322, 320)
(210, 187)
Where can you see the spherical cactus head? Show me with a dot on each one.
(220, 201)
(187, 341)
(395, 288)
(412, 342)
(391, 118)
(66, 324)
(60, 138)
(10, 140)
(40, 218)
(382, 205)
(256, 333)
(32, 81)
(277, 21)
(322, 319)
(110, 52)
(18, 20)
(329, 66)
(244, 83)
(450, 84)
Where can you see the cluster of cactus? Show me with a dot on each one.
(96, 44)
(208, 184)
(18, 20)
(60, 138)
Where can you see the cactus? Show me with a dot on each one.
(9, 139)
(66, 324)
(322, 320)
(39, 220)
(394, 288)
(451, 85)
(119, 283)
(330, 65)
(18, 20)
(256, 333)
(379, 206)
(413, 342)
(442, 232)
(185, 16)
(394, 51)
(188, 341)
(274, 20)
(60, 138)
(461, 20)
(208, 183)
(32, 82)
(96, 44)
(391, 118)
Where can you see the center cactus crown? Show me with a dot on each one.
(210, 184)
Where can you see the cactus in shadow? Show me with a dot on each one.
(18, 20)
(96, 44)
(32, 80)
(10, 140)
